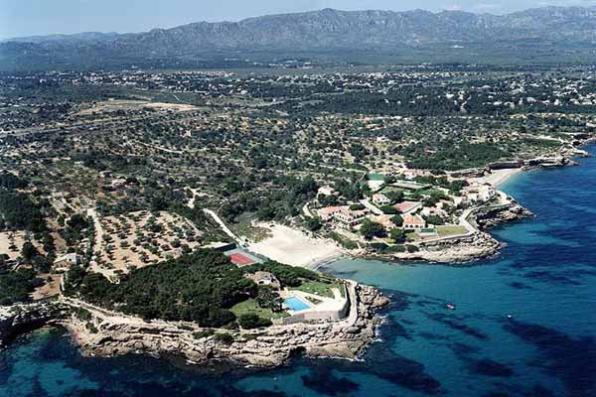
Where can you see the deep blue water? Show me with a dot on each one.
(545, 279)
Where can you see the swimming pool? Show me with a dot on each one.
(296, 304)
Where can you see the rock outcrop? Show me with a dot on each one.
(105, 333)
(464, 249)
(473, 246)
(491, 218)
(22, 317)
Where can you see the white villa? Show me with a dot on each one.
(380, 199)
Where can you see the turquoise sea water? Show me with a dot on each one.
(524, 324)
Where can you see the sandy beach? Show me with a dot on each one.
(294, 247)
(498, 177)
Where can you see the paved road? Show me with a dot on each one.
(369, 206)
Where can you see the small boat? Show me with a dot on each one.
(509, 316)
(450, 306)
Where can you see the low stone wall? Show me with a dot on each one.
(313, 316)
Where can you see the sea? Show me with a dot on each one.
(524, 323)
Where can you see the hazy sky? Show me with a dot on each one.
(35, 17)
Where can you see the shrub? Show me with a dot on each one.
(202, 334)
(388, 209)
(412, 248)
(251, 320)
(356, 207)
(224, 338)
(396, 248)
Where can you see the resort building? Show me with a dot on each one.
(63, 263)
(413, 222)
(265, 278)
(326, 191)
(479, 193)
(349, 219)
(380, 199)
(327, 213)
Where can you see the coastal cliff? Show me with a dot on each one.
(105, 333)
(19, 318)
(490, 217)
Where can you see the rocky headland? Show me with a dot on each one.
(474, 245)
(100, 332)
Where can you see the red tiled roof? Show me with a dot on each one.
(413, 220)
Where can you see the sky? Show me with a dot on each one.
(20, 18)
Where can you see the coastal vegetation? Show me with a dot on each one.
(15, 286)
(202, 287)
(113, 173)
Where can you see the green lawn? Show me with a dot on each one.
(445, 231)
(251, 306)
(319, 288)
(375, 176)
(412, 236)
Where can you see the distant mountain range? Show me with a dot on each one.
(550, 34)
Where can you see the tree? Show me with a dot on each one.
(326, 201)
(388, 209)
(28, 251)
(356, 207)
(434, 220)
(15, 286)
(313, 224)
(389, 179)
(395, 196)
(397, 235)
(370, 229)
(267, 298)
(78, 222)
(397, 220)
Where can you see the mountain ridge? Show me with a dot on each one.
(326, 31)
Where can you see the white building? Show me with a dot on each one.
(380, 199)
(349, 219)
(326, 190)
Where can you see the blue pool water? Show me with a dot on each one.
(545, 278)
(296, 304)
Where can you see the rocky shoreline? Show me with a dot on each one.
(480, 244)
(100, 332)
(466, 248)
(20, 318)
(472, 246)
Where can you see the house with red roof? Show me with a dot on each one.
(413, 222)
